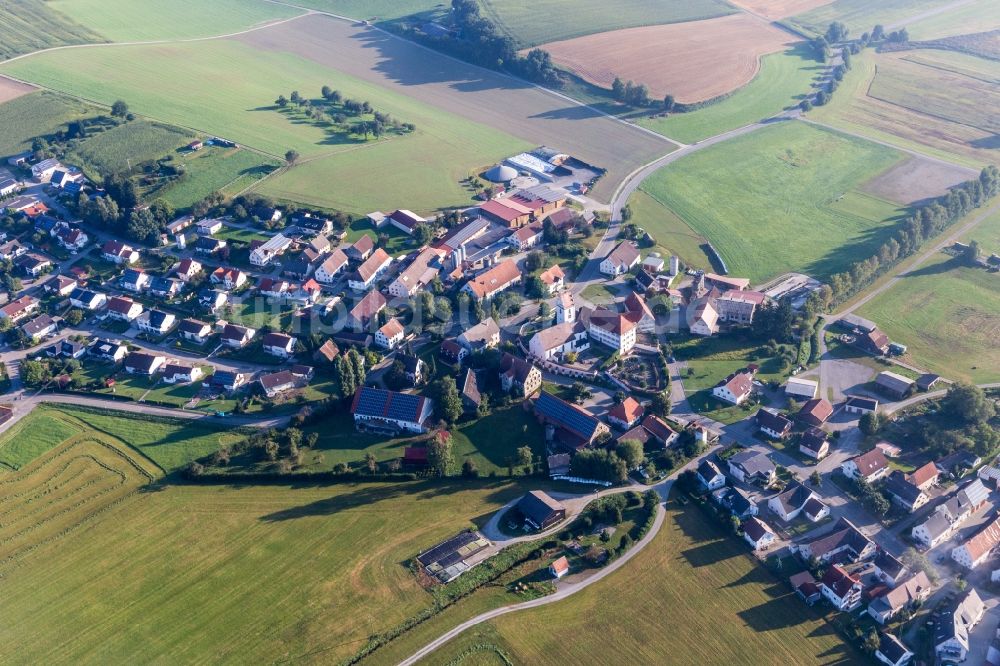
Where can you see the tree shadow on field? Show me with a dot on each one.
(989, 142)
(937, 268)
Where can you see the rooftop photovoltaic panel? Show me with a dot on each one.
(566, 415)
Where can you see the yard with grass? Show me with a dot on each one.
(144, 20)
(948, 315)
(427, 165)
(536, 22)
(818, 225)
(783, 81)
(673, 235)
(694, 593)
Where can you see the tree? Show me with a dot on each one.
(371, 463)
(630, 450)
(661, 403)
(815, 479)
(325, 92)
(447, 400)
(395, 377)
(524, 457)
(534, 287)
(878, 33)
(439, 455)
(869, 423)
(35, 373)
(534, 260)
(871, 642)
(74, 317)
(347, 380)
(423, 234)
(968, 403)
(469, 469)
(291, 157)
(143, 227)
(806, 105)
(836, 32)
(282, 101)
(580, 392)
(972, 253)
(119, 109)
(668, 103)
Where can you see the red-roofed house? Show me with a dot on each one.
(626, 413)
(735, 388)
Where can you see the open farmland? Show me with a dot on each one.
(861, 15)
(988, 235)
(533, 22)
(142, 20)
(25, 117)
(376, 10)
(777, 9)
(783, 81)
(854, 110)
(693, 594)
(917, 179)
(10, 89)
(673, 235)
(973, 17)
(227, 574)
(30, 25)
(215, 169)
(948, 315)
(790, 204)
(133, 143)
(694, 61)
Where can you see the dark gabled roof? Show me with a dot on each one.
(538, 507)
(889, 564)
(794, 497)
(844, 533)
(193, 326)
(381, 403)
(157, 318)
(752, 462)
(773, 421)
(898, 485)
(276, 379)
(410, 362)
(140, 361)
(891, 647)
(813, 439)
(571, 418)
(708, 470)
(516, 368)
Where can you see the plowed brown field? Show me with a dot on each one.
(692, 61)
(9, 89)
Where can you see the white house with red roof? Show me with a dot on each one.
(870, 466)
(118, 252)
(626, 414)
(735, 388)
(390, 335)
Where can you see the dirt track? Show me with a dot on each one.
(694, 61)
(513, 106)
(10, 89)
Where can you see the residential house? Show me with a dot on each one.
(874, 342)
(709, 475)
(39, 327)
(841, 589)
(660, 431)
(814, 443)
(87, 300)
(208, 246)
(417, 275)
(361, 249)
(414, 368)
(209, 226)
(752, 467)
(933, 531)
(757, 533)
(704, 319)
(805, 586)
(549, 344)
(228, 278)
(60, 284)
(123, 308)
(20, 308)
(110, 351)
(212, 299)
(739, 307)
(135, 280)
(773, 424)
(924, 477)
(904, 493)
(908, 595)
(815, 412)
(42, 171)
(369, 271)
(118, 252)
(621, 259)
(553, 278)
(195, 331)
(390, 334)
(519, 375)
(957, 464)
(978, 548)
(893, 385)
(491, 282)
(66, 349)
(736, 388)
(187, 269)
(142, 363)
(178, 372)
(236, 336)
(332, 267)
(155, 322)
(367, 309)
(162, 287)
(947, 517)
(307, 293)
(265, 253)
(273, 288)
(279, 344)
(625, 414)
(228, 380)
(870, 466)
(539, 510)
(611, 329)
(32, 264)
(526, 237)
(573, 427)
(12, 249)
(789, 504)
(452, 352)
(845, 542)
(484, 335)
(951, 634)
(739, 503)
(892, 651)
(383, 410)
(275, 383)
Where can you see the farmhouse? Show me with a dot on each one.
(278, 344)
(417, 276)
(625, 414)
(951, 635)
(266, 253)
(814, 443)
(448, 560)
(123, 308)
(801, 389)
(845, 541)
(550, 343)
(757, 533)
(332, 266)
(388, 410)
(519, 375)
(622, 258)
(42, 171)
(893, 385)
(892, 651)
(488, 284)
(141, 363)
(704, 319)
(484, 335)
(390, 335)
(924, 477)
(539, 510)
(611, 328)
(370, 270)
(773, 424)
(841, 589)
(739, 307)
(506, 211)
(361, 249)
(735, 388)
(574, 426)
(908, 595)
(977, 549)
(870, 466)
(228, 278)
(752, 467)
(194, 330)
(526, 237)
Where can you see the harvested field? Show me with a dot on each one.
(861, 15)
(983, 44)
(975, 17)
(916, 179)
(694, 61)
(777, 9)
(493, 99)
(9, 89)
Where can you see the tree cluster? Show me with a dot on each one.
(599, 464)
(349, 372)
(633, 94)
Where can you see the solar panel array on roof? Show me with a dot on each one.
(389, 404)
(566, 415)
(441, 551)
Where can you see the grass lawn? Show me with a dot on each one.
(673, 235)
(790, 205)
(600, 294)
(533, 22)
(29, 25)
(214, 169)
(258, 312)
(130, 143)
(191, 573)
(399, 242)
(32, 436)
(693, 593)
(29, 116)
(783, 81)
(144, 20)
(193, 90)
(948, 315)
(861, 15)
